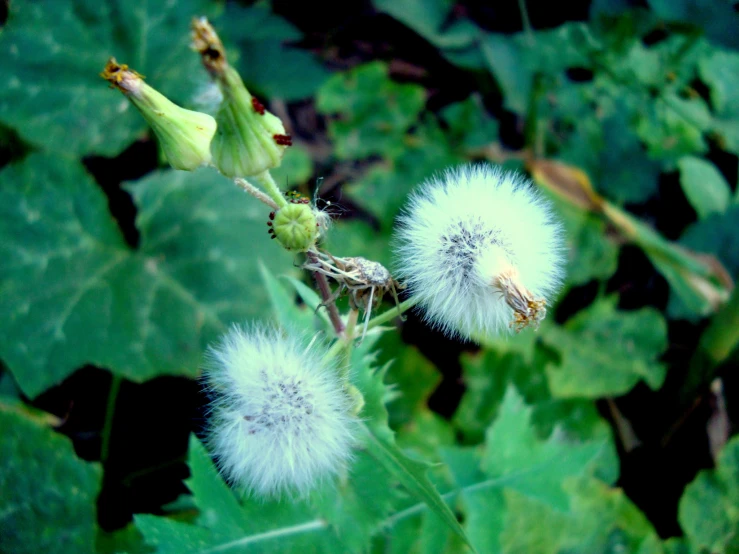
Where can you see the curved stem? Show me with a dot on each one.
(393, 313)
(267, 182)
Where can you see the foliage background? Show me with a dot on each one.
(606, 431)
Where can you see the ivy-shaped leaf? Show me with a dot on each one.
(605, 352)
(373, 111)
(48, 495)
(54, 52)
(74, 293)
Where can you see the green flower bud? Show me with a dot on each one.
(295, 226)
(183, 135)
(249, 139)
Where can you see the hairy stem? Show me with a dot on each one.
(267, 182)
(255, 192)
(325, 290)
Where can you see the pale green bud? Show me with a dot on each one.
(183, 135)
(249, 139)
(295, 227)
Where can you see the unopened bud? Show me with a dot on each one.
(249, 139)
(184, 135)
(295, 227)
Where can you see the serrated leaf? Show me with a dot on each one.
(514, 459)
(703, 185)
(598, 519)
(54, 52)
(709, 508)
(224, 525)
(48, 494)
(605, 352)
(374, 112)
(74, 293)
(379, 441)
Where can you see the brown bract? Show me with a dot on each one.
(206, 42)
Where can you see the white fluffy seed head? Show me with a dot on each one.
(280, 420)
(481, 250)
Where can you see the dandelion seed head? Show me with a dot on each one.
(481, 249)
(280, 417)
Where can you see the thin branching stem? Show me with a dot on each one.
(255, 192)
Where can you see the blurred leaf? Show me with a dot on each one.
(225, 524)
(591, 253)
(48, 494)
(128, 540)
(718, 19)
(469, 124)
(74, 293)
(54, 52)
(374, 112)
(295, 170)
(427, 18)
(720, 71)
(515, 460)
(673, 127)
(504, 58)
(385, 188)
(703, 185)
(717, 234)
(598, 519)
(709, 508)
(411, 373)
(605, 352)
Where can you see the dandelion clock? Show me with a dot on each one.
(480, 250)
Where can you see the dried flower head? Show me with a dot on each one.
(281, 419)
(480, 249)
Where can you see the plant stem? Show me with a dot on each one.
(392, 313)
(255, 192)
(115, 386)
(266, 181)
(325, 290)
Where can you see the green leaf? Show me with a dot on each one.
(74, 293)
(266, 61)
(505, 60)
(374, 112)
(718, 20)
(598, 519)
(717, 235)
(379, 441)
(720, 72)
(48, 494)
(469, 124)
(412, 375)
(54, 52)
(605, 352)
(295, 169)
(591, 253)
(709, 508)
(515, 460)
(703, 185)
(224, 525)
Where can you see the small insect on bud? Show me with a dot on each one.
(246, 142)
(281, 418)
(481, 250)
(183, 135)
(295, 226)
